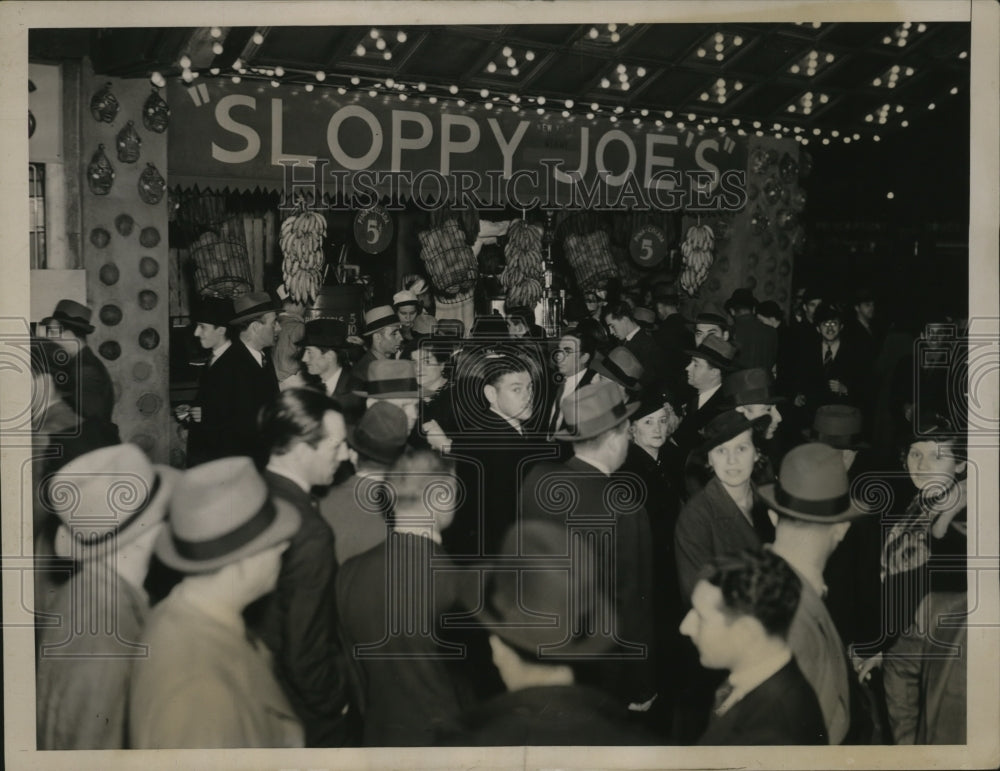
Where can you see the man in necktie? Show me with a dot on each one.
(306, 436)
(572, 357)
(741, 610)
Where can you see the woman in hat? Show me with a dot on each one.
(110, 505)
(205, 682)
(727, 514)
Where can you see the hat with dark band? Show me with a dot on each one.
(591, 410)
(711, 314)
(379, 317)
(838, 425)
(722, 428)
(252, 305)
(664, 293)
(404, 298)
(381, 433)
(324, 333)
(813, 486)
(620, 365)
(769, 309)
(72, 314)
(221, 512)
(749, 386)
(716, 351)
(741, 298)
(217, 311)
(391, 379)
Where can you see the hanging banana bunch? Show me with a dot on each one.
(301, 243)
(697, 253)
(522, 276)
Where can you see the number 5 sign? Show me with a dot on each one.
(648, 246)
(373, 229)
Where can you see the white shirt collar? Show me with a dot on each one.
(632, 334)
(516, 425)
(255, 353)
(750, 677)
(331, 382)
(572, 381)
(280, 470)
(834, 347)
(217, 352)
(704, 396)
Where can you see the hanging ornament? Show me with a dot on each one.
(155, 113)
(758, 161)
(152, 185)
(128, 142)
(100, 173)
(788, 168)
(104, 105)
(772, 190)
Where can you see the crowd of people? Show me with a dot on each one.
(646, 529)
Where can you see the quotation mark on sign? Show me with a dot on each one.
(199, 95)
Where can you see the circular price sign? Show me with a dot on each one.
(648, 246)
(373, 229)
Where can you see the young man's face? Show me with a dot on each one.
(511, 395)
(701, 331)
(388, 340)
(320, 463)
(319, 362)
(516, 327)
(267, 330)
(209, 335)
(710, 629)
(809, 308)
(620, 327)
(568, 357)
(866, 310)
(700, 375)
(830, 330)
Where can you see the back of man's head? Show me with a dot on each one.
(760, 584)
(295, 416)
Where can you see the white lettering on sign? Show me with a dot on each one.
(333, 138)
(508, 146)
(602, 168)
(228, 123)
(652, 159)
(707, 165)
(277, 154)
(576, 176)
(449, 145)
(400, 143)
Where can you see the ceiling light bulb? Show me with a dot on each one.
(876, 138)
(619, 110)
(279, 71)
(341, 90)
(491, 67)
(904, 123)
(701, 53)
(680, 125)
(373, 93)
(605, 83)
(565, 113)
(529, 56)
(794, 69)
(453, 89)
(626, 86)
(511, 61)
(215, 70)
(644, 112)
(217, 48)
(590, 116)
(829, 58)
(488, 105)
(540, 100)
(401, 37)
(738, 40)
(954, 90)
(355, 81)
(909, 72)
(514, 71)
(640, 72)
(791, 108)
(719, 57)
(360, 50)
(569, 103)
(621, 68)
(636, 121)
(432, 99)
(390, 83)
(374, 34)
(185, 62)
(380, 44)
(592, 33)
(158, 80)
(258, 38)
(506, 51)
(310, 86)
(187, 76)
(236, 78)
(215, 32)
(540, 110)
(460, 103)
(963, 55)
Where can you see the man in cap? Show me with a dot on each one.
(812, 501)
(757, 342)
(85, 658)
(741, 611)
(416, 678)
(545, 702)
(384, 339)
(357, 509)
(305, 434)
(596, 424)
(86, 385)
(709, 362)
(407, 308)
(236, 381)
(674, 336)
(618, 317)
(205, 682)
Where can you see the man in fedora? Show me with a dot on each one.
(710, 320)
(86, 386)
(674, 336)
(417, 675)
(597, 426)
(305, 435)
(713, 358)
(812, 501)
(206, 682)
(757, 342)
(357, 509)
(384, 339)
(323, 348)
(546, 701)
(618, 317)
(110, 505)
(619, 366)
(393, 381)
(741, 613)
(407, 308)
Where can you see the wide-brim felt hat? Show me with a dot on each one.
(531, 609)
(741, 297)
(381, 433)
(716, 351)
(813, 486)
(217, 311)
(324, 333)
(591, 410)
(722, 428)
(252, 305)
(838, 425)
(643, 315)
(620, 365)
(379, 317)
(769, 309)
(110, 494)
(391, 379)
(711, 314)
(72, 314)
(749, 386)
(220, 513)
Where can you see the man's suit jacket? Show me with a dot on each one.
(674, 337)
(822, 658)
(203, 685)
(813, 377)
(88, 389)
(710, 525)
(412, 680)
(757, 343)
(231, 394)
(780, 711)
(687, 436)
(298, 621)
(645, 349)
(618, 501)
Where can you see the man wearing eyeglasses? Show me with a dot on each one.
(832, 371)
